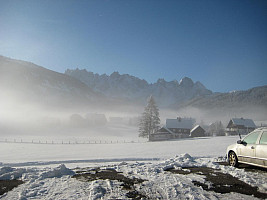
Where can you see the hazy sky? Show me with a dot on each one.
(223, 44)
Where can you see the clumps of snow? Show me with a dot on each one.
(57, 172)
(9, 173)
(5, 170)
(97, 191)
(183, 160)
(123, 163)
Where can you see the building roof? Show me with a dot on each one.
(244, 122)
(195, 128)
(184, 123)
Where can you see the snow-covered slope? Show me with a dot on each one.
(28, 82)
(136, 90)
(254, 96)
(251, 103)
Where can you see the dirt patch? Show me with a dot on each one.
(111, 174)
(248, 168)
(220, 182)
(7, 185)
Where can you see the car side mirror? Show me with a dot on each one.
(239, 142)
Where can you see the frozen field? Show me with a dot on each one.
(39, 166)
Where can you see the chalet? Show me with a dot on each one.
(240, 126)
(197, 131)
(175, 128)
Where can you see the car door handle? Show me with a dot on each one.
(252, 147)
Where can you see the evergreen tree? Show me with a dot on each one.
(150, 121)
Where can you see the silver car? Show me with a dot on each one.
(251, 150)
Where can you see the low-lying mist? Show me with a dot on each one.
(20, 117)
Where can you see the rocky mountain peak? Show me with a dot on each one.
(115, 75)
(200, 85)
(161, 81)
(186, 82)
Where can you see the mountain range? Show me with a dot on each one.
(79, 88)
(129, 88)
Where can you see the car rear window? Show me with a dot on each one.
(263, 139)
(252, 138)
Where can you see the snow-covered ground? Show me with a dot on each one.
(40, 167)
(197, 147)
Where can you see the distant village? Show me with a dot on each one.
(180, 127)
(187, 127)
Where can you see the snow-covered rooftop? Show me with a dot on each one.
(244, 122)
(185, 123)
(194, 128)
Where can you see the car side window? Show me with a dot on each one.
(263, 139)
(252, 138)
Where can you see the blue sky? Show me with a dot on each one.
(222, 44)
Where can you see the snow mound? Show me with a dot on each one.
(58, 172)
(183, 160)
(9, 173)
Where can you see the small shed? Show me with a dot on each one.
(197, 131)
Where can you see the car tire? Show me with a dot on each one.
(232, 159)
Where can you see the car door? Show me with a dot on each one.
(261, 150)
(247, 149)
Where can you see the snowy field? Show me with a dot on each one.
(197, 147)
(40, 167)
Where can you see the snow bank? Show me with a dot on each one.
(57, 172)
(9, 173)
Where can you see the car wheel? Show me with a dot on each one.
(232, 159)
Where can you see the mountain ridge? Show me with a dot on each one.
(32, 83)
(127, 87)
